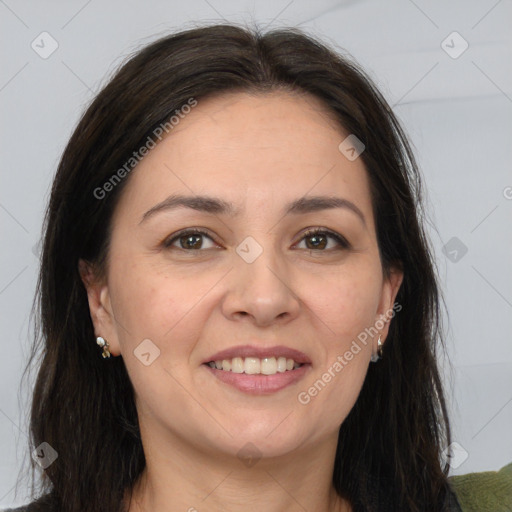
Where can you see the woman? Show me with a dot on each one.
(236, 222)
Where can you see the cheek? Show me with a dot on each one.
(170, 309)
(346, 302)
(149, 304)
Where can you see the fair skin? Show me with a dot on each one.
(258, 153)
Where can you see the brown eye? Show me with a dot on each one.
(191, 240)
(318, 240)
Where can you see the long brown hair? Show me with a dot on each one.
(389, 448)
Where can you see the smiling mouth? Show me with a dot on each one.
(255, 365)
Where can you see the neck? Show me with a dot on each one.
(181, 477)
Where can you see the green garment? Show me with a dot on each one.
(486, 491)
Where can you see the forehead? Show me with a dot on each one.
(249, 149)
(276, 122)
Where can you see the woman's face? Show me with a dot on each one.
(256, 286)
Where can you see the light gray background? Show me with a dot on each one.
(457, 111)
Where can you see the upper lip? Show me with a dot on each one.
(260, 352)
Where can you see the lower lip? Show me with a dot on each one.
(260, 384)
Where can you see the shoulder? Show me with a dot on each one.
(486, 490)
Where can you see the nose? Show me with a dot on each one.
(260, 292)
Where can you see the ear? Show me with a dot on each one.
(386, 310)
(100, 307)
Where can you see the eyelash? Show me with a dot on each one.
(344, 244)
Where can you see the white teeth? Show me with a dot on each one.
(252, 365)
(255, 366)
(237, 365)
(281, 364)
(269, 366)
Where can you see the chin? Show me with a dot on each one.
(265, 439)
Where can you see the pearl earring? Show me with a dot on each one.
(378, 355)
(102, 342)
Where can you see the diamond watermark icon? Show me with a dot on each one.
(146, 352)
(249, 250)
(249, 454)
(454, 250)
(454, 45)
(44, 455)
(455, 455)
(44, 45)
(351, 147)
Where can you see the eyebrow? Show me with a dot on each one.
(218, 206)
